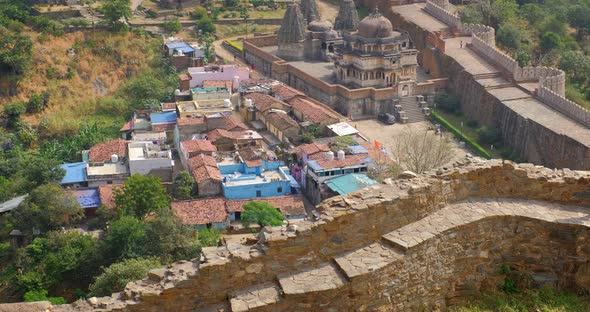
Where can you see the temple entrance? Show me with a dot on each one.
(405, 91)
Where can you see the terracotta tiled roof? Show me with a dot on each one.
(217, 134)
(197, 146)
(201, 160)
(168, 106)
(234, 124)
(311, 111)
(190, 121)
(163, 127)
(102, 152)
(263, 102)
(217, 84)
(184, 77)
(251, 82)
(126, 127)
(289, 205)
(107, 194)
(285, 93)
(281, 121)
(349, 160)
(311, 149)
(204, 173)
(201, 211)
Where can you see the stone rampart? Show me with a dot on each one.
(485, 33)
(494, 55)
(377, 247)
(442, 14)
(564, 106)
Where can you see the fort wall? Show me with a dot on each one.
(411, 244)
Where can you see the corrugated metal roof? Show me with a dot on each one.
(349, 183)
(75, 172)
(88, 198)
(164, 117)
(12, 203)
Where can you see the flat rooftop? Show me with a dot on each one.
(107, 169)
(247, 179)
(414, 13)
(147, 150)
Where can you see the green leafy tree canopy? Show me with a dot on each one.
(140, 196)
(261, 213)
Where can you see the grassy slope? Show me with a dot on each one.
(103, 62)
(544, 300)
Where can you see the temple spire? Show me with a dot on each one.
(348, 18)
(309, 9)
(293, 26)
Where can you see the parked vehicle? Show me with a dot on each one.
(386, 118)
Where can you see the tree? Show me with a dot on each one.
(199, 13)
(61, 256)
(383, 167)
(117, 275)
(533, 13)
(183, 185)
(126, 238)
(16, 51)
(209, 237)
(244, 13)
(550, 41)
(170, 240)
(447, 102)
(13, 111)
(503, 11)
(115, 10)
(231, 3)
(261, 213)
(36, 104)
(579, 17)
(509, 36)
(207, 42)
(47, 207)
(172, 25)
(141, 196)
(420, 151)
(38, 171)
(576, 65)
(145, 89)
(206, 25)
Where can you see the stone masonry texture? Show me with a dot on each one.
(417, 244)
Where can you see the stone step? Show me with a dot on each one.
(366, 260)
(255, 297)
(487, 75)
(320, 278)
(500, 86)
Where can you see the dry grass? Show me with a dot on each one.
(102, 63)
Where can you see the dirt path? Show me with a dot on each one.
(328, 11)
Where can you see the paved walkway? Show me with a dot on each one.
(476, 209)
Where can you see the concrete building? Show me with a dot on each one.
(202, 108)
(234, 73)
(187, 127)
(106, 163)
(233, 140)
(147, 158)
(210, 93)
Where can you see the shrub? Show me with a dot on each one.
(447, 102)
(489, 135)
(172, 25)
(35, 104)
(476, 147)
(41, 295)
(198, 13)
(472, 124)
(261, 213)
(115, 277)
(209, 237)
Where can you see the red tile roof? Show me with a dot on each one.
(102, 152)
(190, 121)
(263, 102)
(250, 157)
(285, 93)
(201, 160)
(234, 124)
(163, 127)
(204, 173)
(107, 194)
(197, 146)
(217, 84)
(168, 106)
(289, 205)
(217, 134)
(281, 121)
(311, 149)
(201, 211)
(310, 111)
(126, 127)
(349, 160)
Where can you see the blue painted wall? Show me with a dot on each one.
(266, 189)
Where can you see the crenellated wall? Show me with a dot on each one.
(377, 247)
(564, 106)
(440, 11)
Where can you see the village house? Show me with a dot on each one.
(202, 213)
(210, 93)
(163, 122)
(88, 199)
(206, 174)
(107, 195)
(106, 163)
(75, 175)
(187, 127)
(182, 55)
(205, 107)
(307, 110)
(291, 206)
(281, 125)
(229, 123)
(233, 73)
(147, 158)
(232, 140)
(192, 148)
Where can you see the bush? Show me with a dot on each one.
(206, 25)
(115, 277)
(472, 124)
(36, 104)
(448, 102)
(41, 295)
(172, 25)
(261, 213)
(489, 135)
(198, 13)
(470, 142)
(209, 237)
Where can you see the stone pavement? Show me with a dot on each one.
(320, 278)
(367, 259)
(256, 297)
(476, 209)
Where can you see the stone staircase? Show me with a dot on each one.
(411, 107)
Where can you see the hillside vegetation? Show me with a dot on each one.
(544, 300)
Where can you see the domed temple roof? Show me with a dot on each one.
(375, 26)
(319, 26)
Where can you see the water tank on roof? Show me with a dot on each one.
(227, 103)
(114, 158)
(177, 92)
(330, 155)
(341, 155)
(236, 83)
(249, 103)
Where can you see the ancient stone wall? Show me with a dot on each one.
(443, 14)
(485, 33)
(412, 244)
(564, 106)
(494, 55)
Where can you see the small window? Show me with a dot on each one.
(109, 182)
(356, 169)
(279, 189)
(258, 194)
